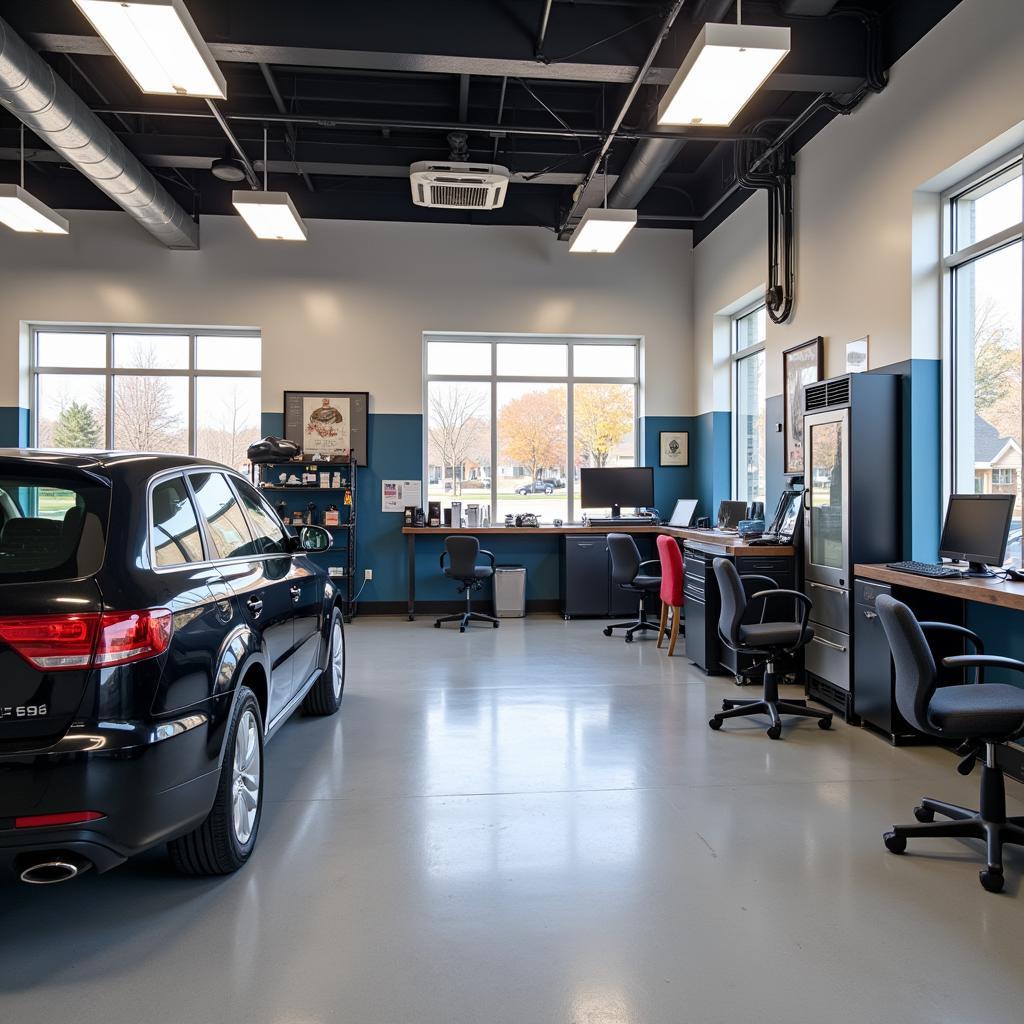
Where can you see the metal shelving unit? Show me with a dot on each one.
(346, 528)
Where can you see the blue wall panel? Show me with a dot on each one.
(670, 482)
(14, 423)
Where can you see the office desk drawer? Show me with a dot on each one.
(758, 565)
(868, 593)
(831, 605)
(696, 567)
(828, 656)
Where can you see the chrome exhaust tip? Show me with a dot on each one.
(55, 868)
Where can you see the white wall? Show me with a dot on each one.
(347, 309)
(958, 89)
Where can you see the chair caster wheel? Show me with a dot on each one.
(824, 723)
(607, 630)
(924, 814)
(629, 639)
(895, 843)
(991, 879)
(462, 629)
(739, 680)
(437, 625)
(774, 731)
(495, 624)
(715, 723)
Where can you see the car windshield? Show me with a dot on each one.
(53, 524)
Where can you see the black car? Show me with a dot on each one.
(157, 625)
(537, 487)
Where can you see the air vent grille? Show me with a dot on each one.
(474, 197)
(827, 394)
(458, 186)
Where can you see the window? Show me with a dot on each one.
(189, 392)
(748, 344)
(512, 420)
(984, 243)
(270, 538)
(226, 525)
(176, 537)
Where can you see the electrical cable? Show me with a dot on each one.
(601, 42)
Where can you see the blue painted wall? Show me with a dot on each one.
(13, 427)
(711, 454)
(670, 482)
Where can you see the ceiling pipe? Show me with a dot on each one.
(250, 171)
(652, 157)
(32, 91)
(289, 131)
(542, 30)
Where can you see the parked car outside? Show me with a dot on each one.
(536, 487)
(158, 625)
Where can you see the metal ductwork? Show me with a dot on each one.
(36, 95)
(651, 157)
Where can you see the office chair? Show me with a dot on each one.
(627, 574)
(671, 590)
(767, 640)
(461, 553)
(979, 714)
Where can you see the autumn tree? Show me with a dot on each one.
(602, 419)
(77, 427)
(532, 430)
(458, 428)
(997, 371)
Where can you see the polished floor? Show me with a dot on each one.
(534, 825)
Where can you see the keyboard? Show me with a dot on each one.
(927, 569)
(623, 521)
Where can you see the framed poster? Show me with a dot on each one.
(857, 355)
(674, 446)
(801, 365)
(328, 423)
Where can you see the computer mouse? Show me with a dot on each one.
(1015, 574)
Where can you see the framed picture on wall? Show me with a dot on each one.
(674, 446)
(857, 355)
(328, 423)
(802, 364)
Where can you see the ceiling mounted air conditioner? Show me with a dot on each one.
(455, 186)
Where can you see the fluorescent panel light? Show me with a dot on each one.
(158, 43)
(21, 211)
(270, 215)
(726, 65)
(602, 230)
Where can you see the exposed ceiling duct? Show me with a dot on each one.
(36, 95)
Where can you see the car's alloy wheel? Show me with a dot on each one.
(324, 697)
(246, 778)
(337, 658)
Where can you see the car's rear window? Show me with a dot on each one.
(52, 525)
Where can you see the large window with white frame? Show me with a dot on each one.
(748, 406)
(984, 263)
(512, 419)
(193, 392)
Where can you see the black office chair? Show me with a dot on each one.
(768, 640)
(979, 714)
(628, 574)
(461, 553)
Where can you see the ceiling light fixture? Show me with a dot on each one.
(726, 65)
(21, 211)
(158, 43)
(602, 230)
(270, 215)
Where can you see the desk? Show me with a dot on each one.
(730, 543)
(1002, 593)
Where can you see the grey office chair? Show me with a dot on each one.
(461, 553)
(767, 640)
(981, 715)
(628, 574)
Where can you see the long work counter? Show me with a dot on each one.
(729, 544)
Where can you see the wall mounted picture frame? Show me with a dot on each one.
(802, 364)
(328, 423)
(674, 447)
(857, 355)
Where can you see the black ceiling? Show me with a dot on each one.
(377, 85)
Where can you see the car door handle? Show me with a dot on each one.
(295, 591)
(255, 606)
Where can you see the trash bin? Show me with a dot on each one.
(509, 591)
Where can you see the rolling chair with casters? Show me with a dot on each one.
(671, 591)
(981, 715)
(461, 553)
(628, 574)
(767, 640)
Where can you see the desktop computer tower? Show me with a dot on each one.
(852, 509)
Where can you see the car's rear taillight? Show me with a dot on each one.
(56, 643)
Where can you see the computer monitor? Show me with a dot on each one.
(632, 486)
(685, 510)
(731, 514)
(976, 529)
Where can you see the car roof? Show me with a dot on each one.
(136, 464)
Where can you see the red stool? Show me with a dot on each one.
(671, 589)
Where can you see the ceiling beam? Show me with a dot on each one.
(442, 64)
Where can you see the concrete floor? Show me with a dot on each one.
(535, 824)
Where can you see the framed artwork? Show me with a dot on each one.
(674, 446)
(857, 355)
(801, 365)
(328, 423)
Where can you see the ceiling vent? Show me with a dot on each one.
(452, 186)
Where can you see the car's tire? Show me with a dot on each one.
(225, 840)
(324, 697)
(549, 490)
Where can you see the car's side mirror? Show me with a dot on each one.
(315, 538)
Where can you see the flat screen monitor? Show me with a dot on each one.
(731, 514)
(632, 486)
(685, 510)
(976, 529)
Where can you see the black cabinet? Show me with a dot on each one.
(586, 581)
